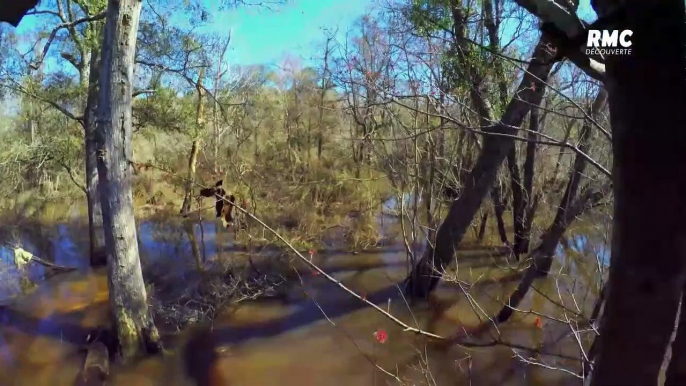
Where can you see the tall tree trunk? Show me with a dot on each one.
(190, 178)
(195, 146)
(647, 97)
(218, 130)
(95, 230)
(425, 275)
(482, 227)
(517, 200)
(499, 208)
(518, 207)
(568, 132)
(135, 328)
(528, 201)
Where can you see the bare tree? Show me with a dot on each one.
(426, 274)
(195, 146)
(134, 325)
(570, 207)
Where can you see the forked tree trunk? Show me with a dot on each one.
(135, 328)
(426, 274)
(647, 97)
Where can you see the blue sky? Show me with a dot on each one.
(266, 36)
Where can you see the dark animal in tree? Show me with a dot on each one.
(451, 192)
(224, 205)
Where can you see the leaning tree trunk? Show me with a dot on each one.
(542, 257)
(426, 274)
(128, 301)
(647, 97)
(95, 231)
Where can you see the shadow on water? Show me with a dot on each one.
(316, 335)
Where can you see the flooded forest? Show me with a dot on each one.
(445, 192)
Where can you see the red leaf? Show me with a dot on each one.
(381, 336)
(538, 322)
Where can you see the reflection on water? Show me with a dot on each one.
(317, 336)
(67, 245)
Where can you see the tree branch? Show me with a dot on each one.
(571, 27)
(54, 104)
(54, 32)
(72, 176)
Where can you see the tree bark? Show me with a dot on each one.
(425, 275)
(190, 179)
(136, 331)
(647, 97)
(517, 200)
(95, 230)
(561, 152)
(529, 203)
(195, 146)
(490, 21)
(499, 208)
(482, 227)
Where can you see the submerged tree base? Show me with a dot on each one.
(135, 341)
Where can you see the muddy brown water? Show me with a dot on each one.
(324, 337)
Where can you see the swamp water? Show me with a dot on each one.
(323, 338)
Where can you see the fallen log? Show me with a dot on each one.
(23, 257)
